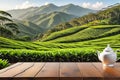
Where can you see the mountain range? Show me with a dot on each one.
(42, 19)
(68, 9)
(47, 21)
(47, 16)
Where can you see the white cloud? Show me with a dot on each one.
(97, 5)
(46, 3)
(24, 5)
(86, 5)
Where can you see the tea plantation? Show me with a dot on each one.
(83, 50)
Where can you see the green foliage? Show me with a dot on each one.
(83, 33)
(64, 33)
(6, 22)
(49, 56)
(22, 29)
(4, 63)
(82, 51)
(24, 38)
(5, 13)
(4, 32)
(5, 19)
(114, 20)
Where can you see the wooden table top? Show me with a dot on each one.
(60, 71)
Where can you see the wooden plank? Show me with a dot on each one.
(49, 72)
(109, 73)
(89, 72)
(10, 67)
(31, 72)
(16, 70)
(69, 71)
(60, 71)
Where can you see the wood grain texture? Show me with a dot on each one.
(109, 73)
(89, 72)
(60, 71)
(16, 70)
(10, 67)
(32, 72)
(49, 72)
(69, 71)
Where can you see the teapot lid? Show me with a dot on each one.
(108, 48)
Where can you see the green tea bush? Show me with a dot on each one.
(49, 56)
(3, 63)
(64, 33)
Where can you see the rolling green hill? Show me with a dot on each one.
(95, 44)
(83, 33)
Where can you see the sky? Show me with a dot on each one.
(22, 4)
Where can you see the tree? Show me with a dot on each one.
(7, 23)
(5, 13)
(13, 27)
(4, 18)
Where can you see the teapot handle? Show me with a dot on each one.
(116, 54)
(118, 59)
(117, 50)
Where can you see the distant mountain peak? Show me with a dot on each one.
(71, 5)
(51, 5)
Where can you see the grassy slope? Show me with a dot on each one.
(45, 51)
(47, 46)
(88, 33)
(63, 33)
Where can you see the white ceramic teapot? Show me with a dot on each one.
(108, 57)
